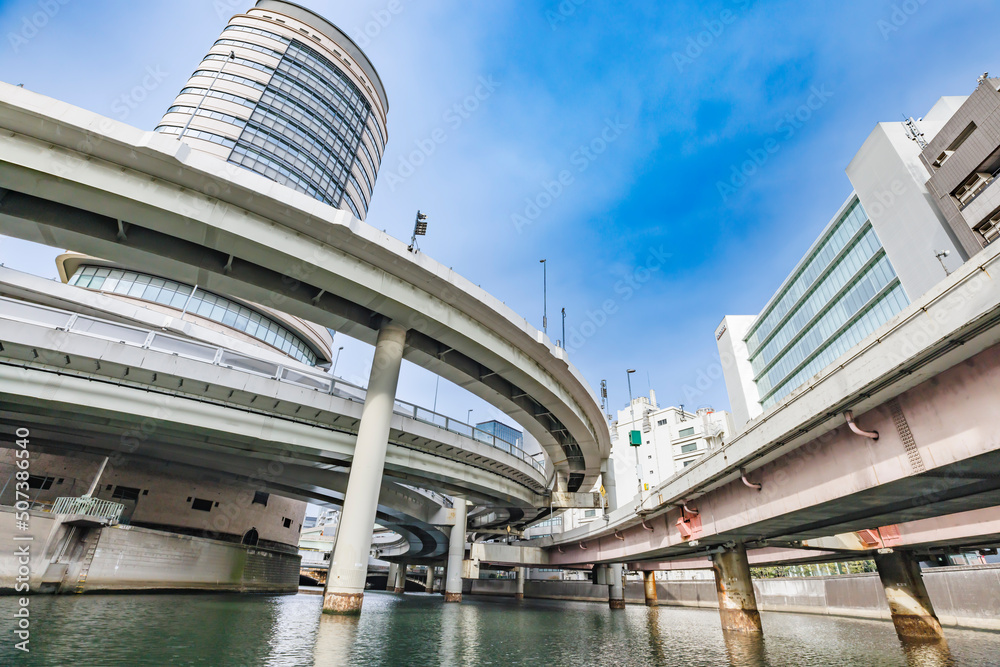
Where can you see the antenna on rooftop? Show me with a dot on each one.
(913, 132)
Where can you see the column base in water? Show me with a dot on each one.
(452, 597)
(344, 604)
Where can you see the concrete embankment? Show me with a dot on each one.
(85, 559)
(966, 597)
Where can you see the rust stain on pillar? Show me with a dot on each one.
(649, 587)
(912, 612)
(737, 600)
(346, 604)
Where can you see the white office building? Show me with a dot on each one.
(887, 245)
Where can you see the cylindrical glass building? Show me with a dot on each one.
(287, 94)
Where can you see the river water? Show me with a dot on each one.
(419, 629)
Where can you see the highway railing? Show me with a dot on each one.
(65, 320)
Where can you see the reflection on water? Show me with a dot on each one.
(420, 630)
(930, 653)
(744, 649)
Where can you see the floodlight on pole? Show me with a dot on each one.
(419, 229)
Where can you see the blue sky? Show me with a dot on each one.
(598, 141)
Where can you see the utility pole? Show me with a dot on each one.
(631, 407)
(545, 296)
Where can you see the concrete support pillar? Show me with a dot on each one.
(737, 600)
(429, 580)
(345, 584)
(456, 553)
(616, 586)
(390, 580)
(520, 583)
(400, 585)
(649, 587)
(911, 609)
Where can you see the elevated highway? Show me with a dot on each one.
(74, 179)
(93, 385)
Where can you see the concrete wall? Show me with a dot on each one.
(962, 596)
(128, 558)
(167, 492)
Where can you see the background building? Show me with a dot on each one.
(503, 431)
(963, 159)
(672, 439)
(887, 245)
(287, 94)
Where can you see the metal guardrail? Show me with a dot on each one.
(89, 506)
(154, 340)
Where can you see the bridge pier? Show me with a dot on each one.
(400, 584)
(737, 600)
(429, 581)
(911, 609)
(456, 553)
(390, 580)
(345, 583)
(649, 587)
(616, 586)
(519, 595)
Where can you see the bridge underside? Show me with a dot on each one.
(938, 454)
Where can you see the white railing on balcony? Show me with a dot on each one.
(154, 340)
(89, 506)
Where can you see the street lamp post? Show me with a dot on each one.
(564, 328)
(333, 371)
(631, 407)
(468, 418)
(232, 57)
(545, 296)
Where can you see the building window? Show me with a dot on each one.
(687, 463)
(260, 498)
(590, 513)
(661, 422)
(989, 229)
(685, 432)
(286, 522)
(201, 505)
(690, 447)
(37, 482)
(125, 493)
